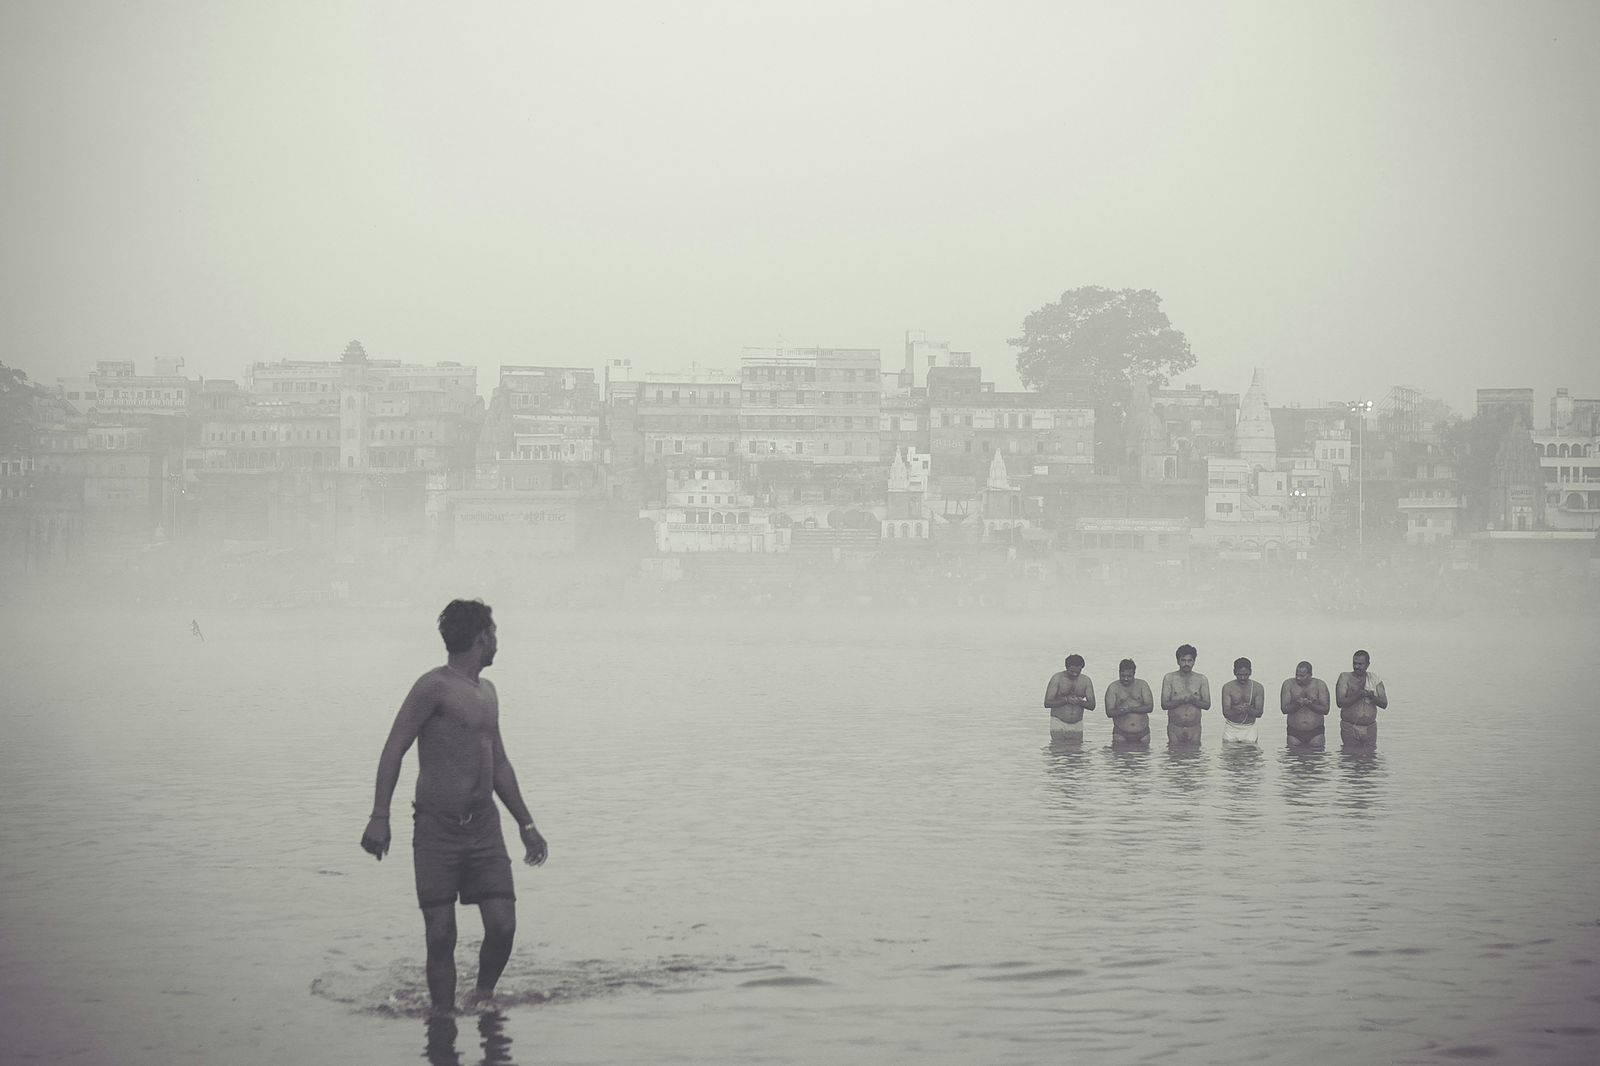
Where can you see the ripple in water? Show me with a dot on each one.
(400, 989)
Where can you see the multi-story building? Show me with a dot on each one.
(1429, 501)
(109, 452)
(1574, 417)
(1249, 515)
(707, 510)
(355, 414)
(331, 454)
(1518, 401)
(115, 387)
(969, 423)
(685, 417)
(817, 404)
(1311, 490)
(619, 427)
(1199, 423)
(1571, 468)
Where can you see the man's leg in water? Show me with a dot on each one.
(499, 930)
(439, 924)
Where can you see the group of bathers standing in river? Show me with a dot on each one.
(1185, 694)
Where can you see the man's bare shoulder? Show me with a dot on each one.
(432, 679)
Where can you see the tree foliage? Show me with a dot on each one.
(17, 394)
(1474, 443)
(1092, 343)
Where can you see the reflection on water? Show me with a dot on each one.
(1361, 780)
(1241, 781)
(440, 1047)
(1303, 772)
(440, 1041)
(1068, 767)
(1188, 767)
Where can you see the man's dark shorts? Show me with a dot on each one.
(452, 858)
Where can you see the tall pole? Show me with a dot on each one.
(1360, 408)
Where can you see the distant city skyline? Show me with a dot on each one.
(1349, 196)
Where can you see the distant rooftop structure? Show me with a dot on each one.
(1517, 400)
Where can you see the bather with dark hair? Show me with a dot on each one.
(452, 714)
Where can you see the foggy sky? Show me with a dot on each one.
(1350, 195)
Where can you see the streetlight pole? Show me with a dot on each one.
(1359, 408)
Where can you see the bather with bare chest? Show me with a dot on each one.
(1184, 694)
(455, 747)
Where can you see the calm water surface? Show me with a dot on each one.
(813, 838)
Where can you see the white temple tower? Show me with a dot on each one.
(1255, 440)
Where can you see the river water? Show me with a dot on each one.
(802, 838)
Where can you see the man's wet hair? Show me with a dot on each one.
(461, 621)
(1303, 663)
(1126, 664)
(1359, 651)
(1187, 649)
(1074, 660)
(1242, 661)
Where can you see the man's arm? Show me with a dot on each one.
(1113, 709)
(1146, 700)
(1052, 693)
(1169, 696)
(1258, 700)
(1286, 697)
(506, 787)
(1341, 691)
(1205, 694)
(1380, 697)
(1320, 700)
(414, 712)
(1088, 694)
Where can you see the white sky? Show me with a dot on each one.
(1350, 195)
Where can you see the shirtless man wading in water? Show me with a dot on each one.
(1360, 695)
(1128, 705)
(1068, 695)
(1184, 694)
(1243, 702)
(1305, 700)
(454, 717)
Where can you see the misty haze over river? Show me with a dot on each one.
(801, 836)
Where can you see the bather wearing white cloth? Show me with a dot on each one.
(1240, 734)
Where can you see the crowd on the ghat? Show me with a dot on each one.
(1186, 695)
